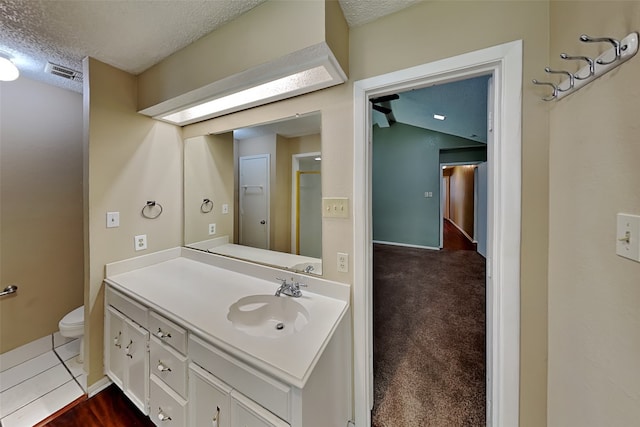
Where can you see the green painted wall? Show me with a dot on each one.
(406, 162)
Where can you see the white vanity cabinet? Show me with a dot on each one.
(200, 369)
(126, 349)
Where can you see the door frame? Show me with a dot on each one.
(504, 62)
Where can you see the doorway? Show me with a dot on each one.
(504, 63)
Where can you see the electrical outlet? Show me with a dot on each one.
(336, 207)
(225, 208)
(212, 229)
(140, 242)
(343, 262)
(113, 219)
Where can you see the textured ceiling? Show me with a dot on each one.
(131, 35)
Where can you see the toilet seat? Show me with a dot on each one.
(72, 325)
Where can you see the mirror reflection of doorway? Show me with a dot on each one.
(307, 205)
(254, 201)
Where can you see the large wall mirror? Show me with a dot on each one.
(255, 193)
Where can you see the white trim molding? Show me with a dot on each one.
(504, 63)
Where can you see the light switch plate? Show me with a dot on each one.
(113, 219)
(628, 236)
(336, 207)
(225, 208)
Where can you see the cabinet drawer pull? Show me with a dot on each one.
(116, 340)
(162, 416)
(128, 348)
(162, 367)
(162, 334)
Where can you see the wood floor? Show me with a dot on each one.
(454, 239)
(109, 408)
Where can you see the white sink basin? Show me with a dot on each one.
(268, 315)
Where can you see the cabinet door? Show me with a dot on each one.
(247, 413)
(113, 344)
(208, 399)
(136, 355)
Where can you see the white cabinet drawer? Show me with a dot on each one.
(168, 332)
(169, 365)
(245, 413)
(166, 408)
(208, 399)
(125, 305)
(268, 392)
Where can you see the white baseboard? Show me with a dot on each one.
(98, 386)
(406, 245)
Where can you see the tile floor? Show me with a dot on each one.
(39, 379)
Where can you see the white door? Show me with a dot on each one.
(254, 201)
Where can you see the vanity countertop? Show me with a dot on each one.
(196, 290)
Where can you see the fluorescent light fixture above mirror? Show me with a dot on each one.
(302, 72)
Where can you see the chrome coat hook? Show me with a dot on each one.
(617, 49)
(568, 74)
(554, 95)
(591, 62)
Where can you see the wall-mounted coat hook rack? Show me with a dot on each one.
(620, 52)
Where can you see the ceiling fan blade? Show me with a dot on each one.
(385, 98)
(380, 108)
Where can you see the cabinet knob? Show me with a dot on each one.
(162, 416)
(162, 334)
(162, 367)
(116, 340)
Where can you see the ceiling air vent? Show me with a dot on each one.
(64, 72)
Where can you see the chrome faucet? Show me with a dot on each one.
(291, 289)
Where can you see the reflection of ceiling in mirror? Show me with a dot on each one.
(289, 128)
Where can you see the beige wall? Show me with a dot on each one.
(282, 199)
(594, 295)
(131, 159)
(208, 173)
(461, 207)
(40, 208)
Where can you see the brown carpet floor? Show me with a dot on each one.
(429, 338)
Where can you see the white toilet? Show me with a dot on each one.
(72, 326)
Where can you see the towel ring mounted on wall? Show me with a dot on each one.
(621, 51)
(206, 206)
(149, 209)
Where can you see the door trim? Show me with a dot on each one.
(504, 62)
